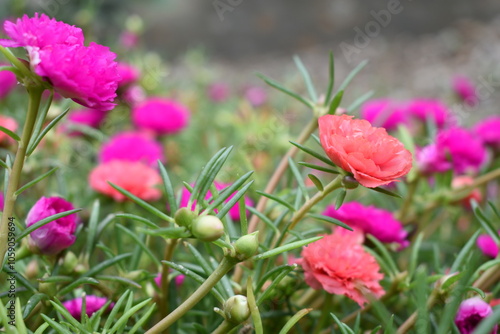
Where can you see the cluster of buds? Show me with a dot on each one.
(205, 227)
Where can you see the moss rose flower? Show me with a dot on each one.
(92, 305)
(161, 116)
(339, 265)
(369, 153)
(470, 313)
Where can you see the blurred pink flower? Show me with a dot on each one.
(89, 117)
(385, 113)
(132, 146)
(179, 279)
(2, 201)
(488, 131)
(470, 314)
(370, 219)
(234, 212)
(135, 177)
(57, 235)
(218, 92)
(465, 89)
(423, 109)
(133, 94)
(92, 305)
(163, 116)
(256, 95)
(487, 245)
(464, 181)
(456, 149)
(8, 123)
(129, 39)
(8, 81)
(128, 74)
(339, 265)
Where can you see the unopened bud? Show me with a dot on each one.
(247, 245)
(349, 182)
(184, 217)
(70, 261)
(207, 228)
(236, 309)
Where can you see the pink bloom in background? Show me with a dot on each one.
(8, 81)
(132, 146)
(488, 131)
(462, 182)
(129, 39)
(385, 113)
(234, 212)
(470, 314)
(88, 117)
(179, 279)
(92, 305)
(465, 89)
(456, 149)
(339, 265)
(256, 95)
(162, 116)
(55, 236)
(422, 109)
(128, 74)
(369, 219)
(374, 157)
(8, 123)
(135, 177)
(487, 245)
(218, 92)
(2, 201)
(133, 94)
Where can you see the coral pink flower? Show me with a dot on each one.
(487, 245)
(374, 157)
(8, 81)
(8, 123)
(465, 89)
(385, 113)
(132, 146)
(92, 305)
(128, 74)
(135, 177)
(369, 219)
(234, 212)
(162, 116)
(56, 235)
(456, 149)
(339, 265)
(257, 96)
(423, 109)
(488, 131)
(218, 92)
(470, 314)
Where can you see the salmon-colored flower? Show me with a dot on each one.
(339, 265)
(369, 153)
(135, 177)
(8, 123)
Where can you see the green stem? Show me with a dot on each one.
(325, 313)
(224, 327)
(16, 62)
(35, 94)
(226, 264)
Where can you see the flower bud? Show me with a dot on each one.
(349, 182)
(69, 263)
(247, 245)
(236, 309)
(207, 228)
(184, 217)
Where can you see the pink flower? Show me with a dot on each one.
(129, 39)
(132, 146)
(234, 212)
(92, 305)
(339, 265)
(8, 81)
(456, 149)
(179, 279)
(2, 201)
(257, 96)
(57, 235)
(488, 131)
(8, 123)
(470, 314)
(423, 109)
(218, 92)
(465, 89)
(133, 94)
(128, 74)
(135, 177)
(369, 153)
(487, 245)
(385, 113)
(162, 116)
(88, 117)
(369, 219)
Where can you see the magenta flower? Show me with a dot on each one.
(162, 116)
(57, 235)
(8, 81)
(179, 279)
(385, 113)
(488, 131)
(470, 313)
(257, 96)
(487, 245)
(89, 117)
(92, 305)
(456, 149)
(132, 146)
(129, 39)
(128, 74)
(423, 109)
(2, 201)
(465, 89)
(370, 219)
(218, 92)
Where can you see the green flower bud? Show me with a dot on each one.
(184, 217)
(207, 228)
(69, 263)
(247, 245)
(236, 309)
(349, 182)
